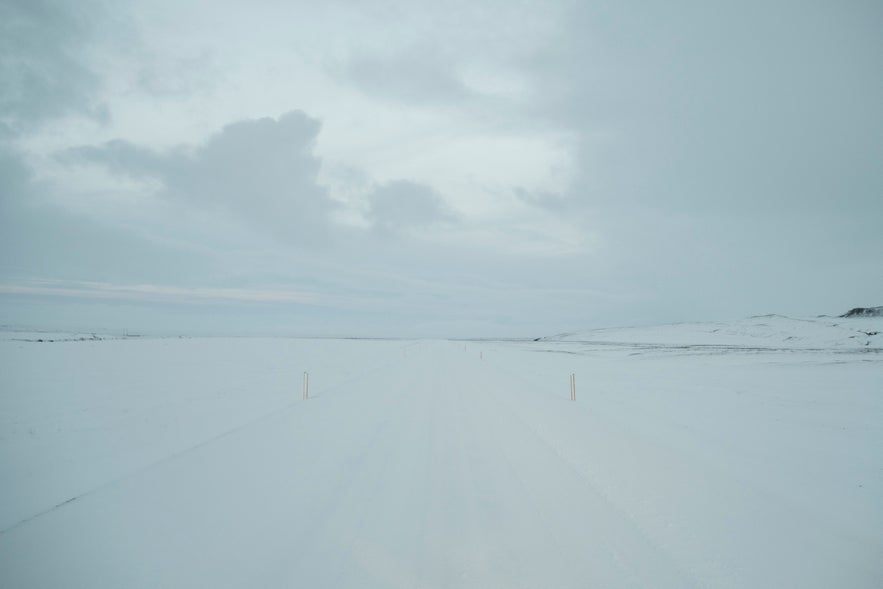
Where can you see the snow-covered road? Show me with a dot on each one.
(184, 463)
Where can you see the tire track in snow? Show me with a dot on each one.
(618, 424)
(192, 448)
(623, 533)
(166, 459)
(535, 492)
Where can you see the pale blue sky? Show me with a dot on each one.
(436, 169)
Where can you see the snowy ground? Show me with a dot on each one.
(765, 332)
(150, 462)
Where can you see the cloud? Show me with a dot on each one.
(725, 109)
(549, 201)
(683, 162)
(722, 153)
(417, 75)
(160, 293)
(39, 238)
(400, 206)
(263, 171)
(43, 71)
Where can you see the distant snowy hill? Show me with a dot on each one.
(766, 331)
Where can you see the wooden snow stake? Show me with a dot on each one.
(306, 385)
(572, 387)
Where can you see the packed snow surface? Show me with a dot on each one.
(155, 462)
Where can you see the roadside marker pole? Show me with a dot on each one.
(572, 387)
(306, 385)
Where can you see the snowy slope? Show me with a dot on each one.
(768, 331)
(195, 462)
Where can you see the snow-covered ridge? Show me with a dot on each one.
(765, 331)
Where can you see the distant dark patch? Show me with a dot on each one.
(864, 312)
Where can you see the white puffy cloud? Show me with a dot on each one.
(263, 171)
(402, 205)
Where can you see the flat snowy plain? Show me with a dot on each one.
(744, 454)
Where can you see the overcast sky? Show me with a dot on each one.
(418, 168)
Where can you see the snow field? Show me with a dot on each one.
(436, 464)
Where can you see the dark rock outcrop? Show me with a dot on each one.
(864, 312)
